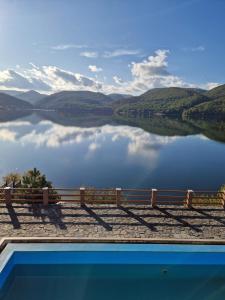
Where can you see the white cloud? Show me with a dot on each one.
(152, 73)
(210, 85)
(118, 80)
(14, 79)
(68, 46)
(94, 69)
(195, 49)
(47, 79)
(149, 73)
(198, 49)
(33, 65)
(89, 54)
(15, 124)
(154, 65)
(120, 52)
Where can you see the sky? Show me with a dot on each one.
(111, 46)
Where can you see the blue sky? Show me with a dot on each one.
(50, 45)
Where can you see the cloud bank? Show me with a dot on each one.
(149, 73)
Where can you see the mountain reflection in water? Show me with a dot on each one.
(108, 152)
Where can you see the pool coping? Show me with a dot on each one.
(56, 240)
(27, 240)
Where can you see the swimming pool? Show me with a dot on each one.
(112, 271)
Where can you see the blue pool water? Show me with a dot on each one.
(91, 272)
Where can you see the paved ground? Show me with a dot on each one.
(110, 221)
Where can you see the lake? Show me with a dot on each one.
(103, 152)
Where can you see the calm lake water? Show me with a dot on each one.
(95, 151)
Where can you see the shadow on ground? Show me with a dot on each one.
(62, 216)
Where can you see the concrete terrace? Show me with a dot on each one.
(111, 221)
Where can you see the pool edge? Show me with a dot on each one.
(6, 240)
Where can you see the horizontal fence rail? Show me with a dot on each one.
(113, 196)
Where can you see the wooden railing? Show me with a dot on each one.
(117, 196)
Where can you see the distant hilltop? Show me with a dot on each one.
(163, 101)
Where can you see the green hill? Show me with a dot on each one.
(168, 101)
(172, 101)
(216, 92)
(77, 102)
(70, 99)
(116, 97)
(215, 107)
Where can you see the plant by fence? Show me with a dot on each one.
(27, 187)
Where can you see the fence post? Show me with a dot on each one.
(154, 197)
(118, 196)
(189, 198)
(45, 196)
(8, 195)
(82, 196)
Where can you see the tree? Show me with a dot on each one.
(12, 179)
(30, 179)
(30, 184)
(34, 179)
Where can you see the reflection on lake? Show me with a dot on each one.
(96, 151)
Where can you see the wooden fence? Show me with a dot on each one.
(115, 196)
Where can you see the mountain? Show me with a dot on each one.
(67, 99)
(13, 93)
(173, 101)
(31, 96)
(216, 92)
(215, 107)
(77, 102)
(170, 101)
(8, 102)
(116, 97)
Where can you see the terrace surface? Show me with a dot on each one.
(111, 221)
